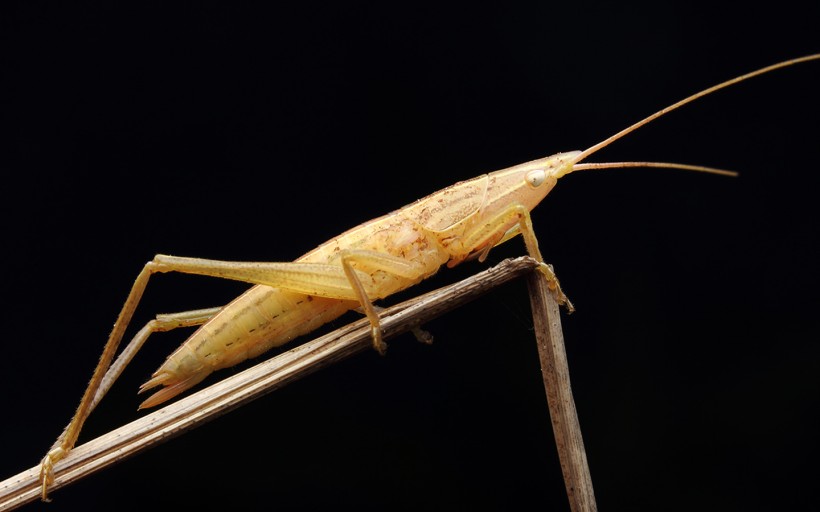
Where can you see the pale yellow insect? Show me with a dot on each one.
(366, 263)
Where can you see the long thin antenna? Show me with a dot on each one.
(665, 165)
(604, 143)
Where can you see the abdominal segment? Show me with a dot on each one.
(260, 319)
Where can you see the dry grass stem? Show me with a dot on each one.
(252, 383)
(555, 370)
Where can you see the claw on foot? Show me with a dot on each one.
(422, 335)
(378, 344)
(555, 287)
(47, 470)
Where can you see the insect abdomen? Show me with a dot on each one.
(258, 320)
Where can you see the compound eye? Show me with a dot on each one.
(536, 178)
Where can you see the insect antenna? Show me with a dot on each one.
(705, 92)
(666, 165)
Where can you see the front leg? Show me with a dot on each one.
(513, 219)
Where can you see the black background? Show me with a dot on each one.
(255, 134)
